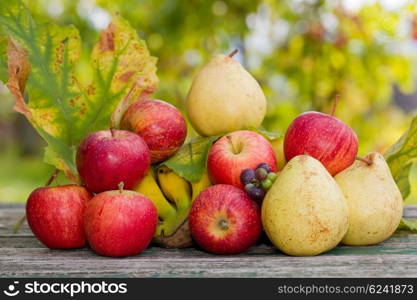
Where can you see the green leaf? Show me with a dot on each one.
(190, 162)
(269, 135)
(408, 224)
(3, 59)
(400, 157)
(42, 60)
(412, 180)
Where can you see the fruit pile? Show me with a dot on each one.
(322, 196)
(136, 178)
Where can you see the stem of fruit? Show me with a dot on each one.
(335, 103)
(22, 219)
(121, 186)
(52, 178)
(112, 132)
(233, 53)
(365, 160)
(231, 143)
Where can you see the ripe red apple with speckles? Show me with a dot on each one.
(120, 223)
(107, 157)
(323, 137)
(224, 220)
(235, 152)
(159, 123)
(55, 215)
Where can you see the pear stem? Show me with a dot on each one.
(335, 103)
(365, 160)
(233, 53)
(121, 186)
(22, 219)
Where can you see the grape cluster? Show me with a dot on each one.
(258, 181)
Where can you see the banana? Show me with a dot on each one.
(173, 196)
(150, 189)
(175, 188)
(199, 186)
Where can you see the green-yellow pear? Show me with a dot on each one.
(304, 212)
(374, 201)
(224, 97)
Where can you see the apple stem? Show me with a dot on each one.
(121, 186)
(22, 219)
(233, 53)
(52, 178)
(112, 132)
(365, 160)
(233, 146)
(335, 103)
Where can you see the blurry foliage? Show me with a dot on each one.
(303, 53)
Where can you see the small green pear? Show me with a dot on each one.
(224, 97)
(374, 200)
(305, 213)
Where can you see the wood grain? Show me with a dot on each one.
(22, 255)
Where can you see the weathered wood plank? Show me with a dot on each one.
(399, 243)
(410, 211)
(9, 215)
(23, 255)
(192, 263)
(11, 212)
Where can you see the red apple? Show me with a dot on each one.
(55, 215)
(106, 158)
(120, 223)
(238, 151)
(159, 123)
(323, 137)
(223, 220)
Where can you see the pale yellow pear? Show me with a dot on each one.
(224, 97)
(374, 201)
(304, 213)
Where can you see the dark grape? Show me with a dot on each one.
(256, 194)
(264, 166)
(261, 173)
(247, 176)
(248, 187)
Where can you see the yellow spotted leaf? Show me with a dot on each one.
(401, 156)
(41, 59)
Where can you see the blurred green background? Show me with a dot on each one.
(303, 53)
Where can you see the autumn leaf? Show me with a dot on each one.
(3, 59)
(42, 80)
(401, 156)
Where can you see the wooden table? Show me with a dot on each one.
(21, 255)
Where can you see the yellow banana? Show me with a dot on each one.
(178, 191)
(150, 189)
(175, 188)
(199, 186)
(172, 196)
